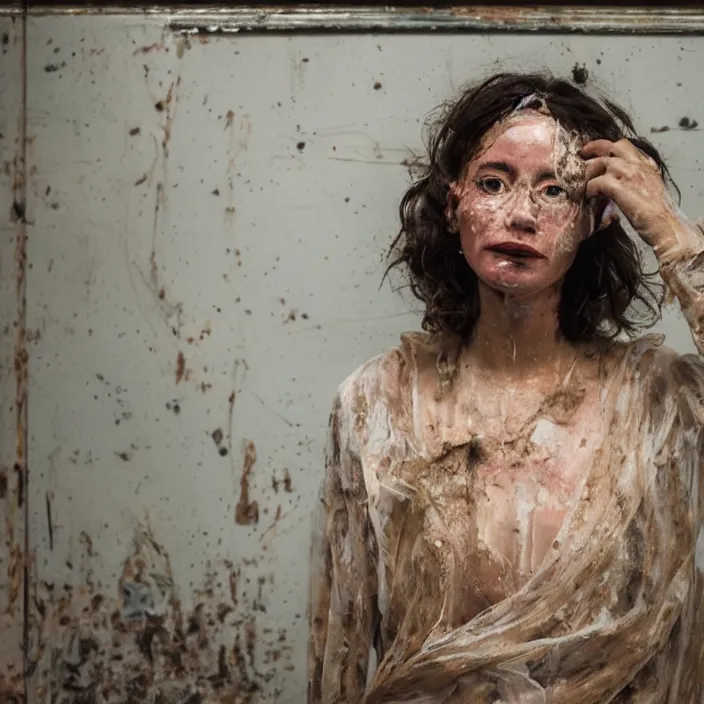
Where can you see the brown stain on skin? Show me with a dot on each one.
(246, 511)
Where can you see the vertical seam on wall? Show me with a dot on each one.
(21, 352)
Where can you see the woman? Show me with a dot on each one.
(513, 499)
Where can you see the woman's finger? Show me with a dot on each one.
(596, 167)
(645, 158)
(629, 151)
(606, 185)
(607, 164)
(599, 148)
(624, 149)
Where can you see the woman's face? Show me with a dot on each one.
(520, 207)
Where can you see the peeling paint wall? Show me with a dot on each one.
(206, 223)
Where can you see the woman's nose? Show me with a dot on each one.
(522, 213)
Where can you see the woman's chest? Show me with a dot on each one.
(521, 493)
(489, 510)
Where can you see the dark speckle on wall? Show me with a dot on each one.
(580, 74)
(52, 68)
(687, 123)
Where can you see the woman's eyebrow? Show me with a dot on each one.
(498, 166)
(547, 174)
(507, 168)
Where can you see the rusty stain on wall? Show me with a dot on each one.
(137, 642)
(168, 106)
(288, 487)
(180, 366)
(156, 46)
(182, 46)
(246, 511)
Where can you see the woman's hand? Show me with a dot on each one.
(631, 179)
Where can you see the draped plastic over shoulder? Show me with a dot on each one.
(684, 276)
(613, 614)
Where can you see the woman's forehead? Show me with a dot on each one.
(532, 141)
(526, 133)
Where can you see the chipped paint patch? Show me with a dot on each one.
(12, 688)
(143, 643)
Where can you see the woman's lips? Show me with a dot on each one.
(516, 249)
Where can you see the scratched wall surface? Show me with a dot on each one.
(12, 362)
(208, 220)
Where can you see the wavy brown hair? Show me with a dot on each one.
(606, 290)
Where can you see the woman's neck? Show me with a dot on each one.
(519, 336)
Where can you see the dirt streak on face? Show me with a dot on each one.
(520, 205)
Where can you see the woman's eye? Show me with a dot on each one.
(491, 185)
(554, 191)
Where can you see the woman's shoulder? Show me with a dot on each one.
(662, 372)
(394, 373)
(650, 353)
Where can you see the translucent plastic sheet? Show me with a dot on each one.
(605, 612)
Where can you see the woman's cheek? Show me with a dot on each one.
(478, 218)
(568, 232)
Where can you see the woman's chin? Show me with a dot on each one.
(515, 280)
